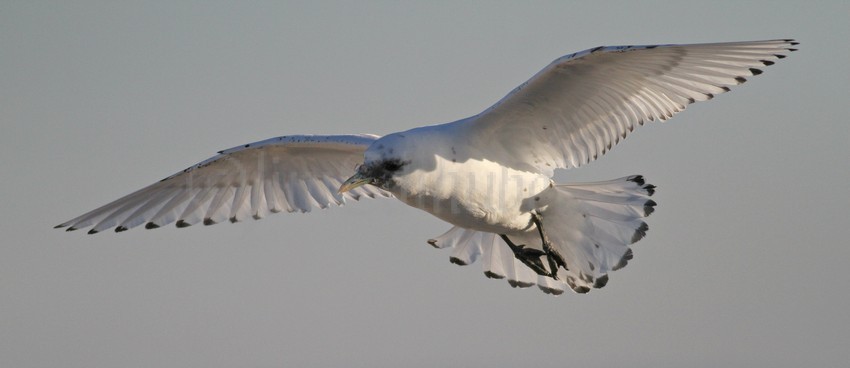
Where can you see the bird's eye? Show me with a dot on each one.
(392, 166)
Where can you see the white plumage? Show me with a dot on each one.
(289, 173)
(489, 175)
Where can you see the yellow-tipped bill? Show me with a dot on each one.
(354, 181)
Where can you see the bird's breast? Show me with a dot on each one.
(474, 194)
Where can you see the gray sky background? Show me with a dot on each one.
(744, 265)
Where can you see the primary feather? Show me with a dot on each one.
(289, 173)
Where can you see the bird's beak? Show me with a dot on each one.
(354, 181)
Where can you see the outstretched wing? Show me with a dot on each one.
(582, 104)
(289, 173)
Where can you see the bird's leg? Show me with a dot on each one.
(528, 256)
(555, 259)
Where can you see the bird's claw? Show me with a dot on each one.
(554, 258)
(530, 257)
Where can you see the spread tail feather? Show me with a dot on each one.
(590, 224)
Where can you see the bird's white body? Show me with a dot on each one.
(489, 175)
(456, 185)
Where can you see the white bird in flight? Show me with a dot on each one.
(489, 175)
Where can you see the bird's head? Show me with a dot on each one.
(382, 160)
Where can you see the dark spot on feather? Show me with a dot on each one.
(601, 282)
(552, 291)
(257, 216)
(740, 79)
(592, 267)
(650, 189)
(120, 229)
(234, 220)
(182, 223)
(247, 145)
(767, 62)
(709, 96)
(493, 275)
(457, 261)
(624, 260)
(537, 199)
(779, 56)
(792, 50)
(519, 284)
(208, 221)
(92, 231)
(725, 89)
(71, 229)
(640, 232)
(637, 179)
(151, 225)
(582, 289)
(649, 207)
(755, 71)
